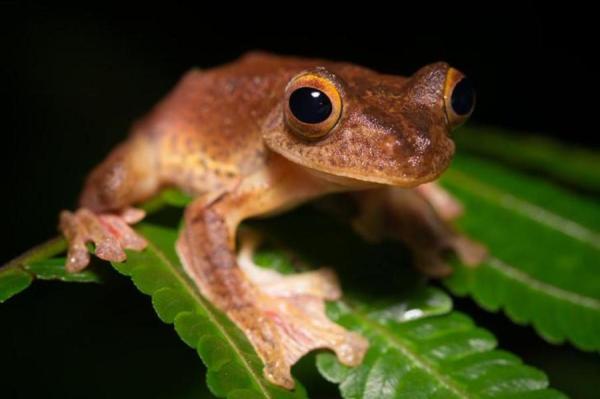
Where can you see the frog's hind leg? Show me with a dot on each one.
(409, 216)
(282, 316)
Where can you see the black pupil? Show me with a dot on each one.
(463, 97)
(310, 105)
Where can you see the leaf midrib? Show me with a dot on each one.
(399, 344)
(200, 300)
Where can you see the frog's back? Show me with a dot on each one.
(207, 129)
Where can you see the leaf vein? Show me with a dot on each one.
(411, 355)
(525, 208)
(524, 278)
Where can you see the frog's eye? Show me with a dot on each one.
(313, 105)
(459, 97)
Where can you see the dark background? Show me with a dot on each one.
(73, 81)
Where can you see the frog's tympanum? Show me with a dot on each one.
(262, 135)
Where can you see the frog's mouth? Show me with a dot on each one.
(365, 172)
(404, 181)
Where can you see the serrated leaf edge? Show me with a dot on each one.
(210, 315)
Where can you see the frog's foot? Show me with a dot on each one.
(292, 311)
(298, 325)
(433, 260)
(283, 329)
(321, 283)
(110, 234)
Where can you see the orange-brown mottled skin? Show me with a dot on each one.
(224, 135)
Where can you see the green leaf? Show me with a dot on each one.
(54, 269)
(168, 196)
(13, 281)
(423, 302)
(573, 166)
(545, 251)
(38, 263)
(433, 357)
(234, 369)
(419, 349)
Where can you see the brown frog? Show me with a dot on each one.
(262, 135)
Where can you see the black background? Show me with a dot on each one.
(74, 80)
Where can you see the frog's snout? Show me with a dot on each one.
(459, 97)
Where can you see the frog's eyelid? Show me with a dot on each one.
(318, 72)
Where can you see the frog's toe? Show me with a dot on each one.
(444, 203)
(78, 257)
(120, 230)
(132, 215)
(470, 252)
(109, 249)
(434, 262)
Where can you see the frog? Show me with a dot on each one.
(259, 136)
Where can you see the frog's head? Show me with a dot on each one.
(351, 122)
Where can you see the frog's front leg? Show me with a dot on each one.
(283, 317)
(409, 216)
(128, 175)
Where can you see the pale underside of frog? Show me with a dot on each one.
(264, 134)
